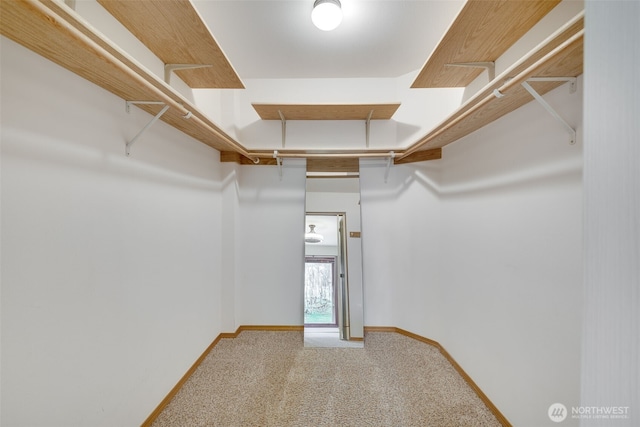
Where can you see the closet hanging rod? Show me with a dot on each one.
(336, 155)
(109, 57)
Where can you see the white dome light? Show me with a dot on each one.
(327, 14)
(312, 236)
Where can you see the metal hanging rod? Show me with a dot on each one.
(390, 156)
(324, 155)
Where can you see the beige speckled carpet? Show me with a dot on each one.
(271, 379)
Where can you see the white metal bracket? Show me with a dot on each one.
(368, 126)
(148, 125)
(284, 127)
(549, 108)
(279, 162)
(168, 68)
(573, 81)
(490, 66)
(392, 155)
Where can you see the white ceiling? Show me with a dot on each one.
(377, 38)
(327, 226)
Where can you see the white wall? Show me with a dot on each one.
(110, 265)
(230, 258)
(511, 252)
(419, 112)
(611, 343)
(481, 251)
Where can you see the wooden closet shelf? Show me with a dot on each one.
(482, 32)
(175, 32)
(560, 55)
(56, 32)
(326, 111)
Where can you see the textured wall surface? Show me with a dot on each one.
(611, 347)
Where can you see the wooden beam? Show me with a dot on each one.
(420, 156)
(235, 157)
(333, 165)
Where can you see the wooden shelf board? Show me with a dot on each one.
(325, 111)
(175, 32)
(57, 33)
(54, 31)
(420, 156)
(482, 32)
(484, 107)
(333, 165)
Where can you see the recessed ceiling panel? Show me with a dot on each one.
(276, 39)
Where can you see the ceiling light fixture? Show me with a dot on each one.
(326, 14)
(312, 236)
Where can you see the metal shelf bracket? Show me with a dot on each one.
(490, 66)
(284, 127)
(148, 125)
(549, 108)
(168, 68)
(573, 81)
(368, 126)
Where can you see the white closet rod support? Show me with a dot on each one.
(279, 162)
(550, 110)
(148, 125)
(572, 80)
(128, 104)
(392, 155)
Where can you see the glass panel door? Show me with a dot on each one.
(320, 291)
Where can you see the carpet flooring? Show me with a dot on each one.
(327, 337)
(266, 378)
